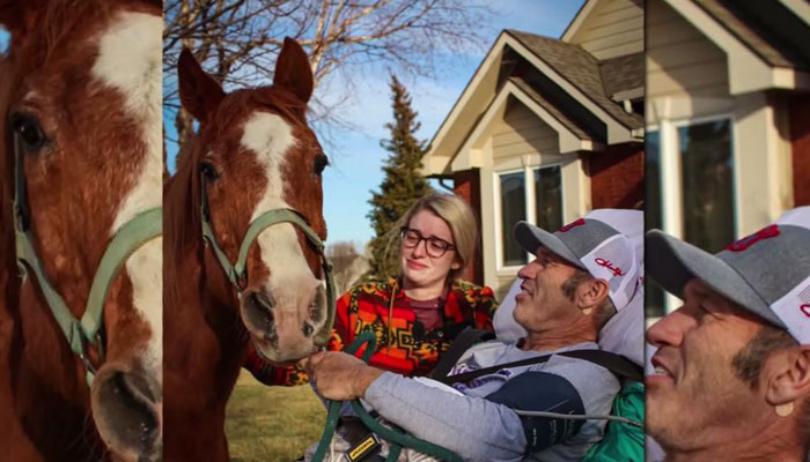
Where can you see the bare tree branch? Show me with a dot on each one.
(237, 41)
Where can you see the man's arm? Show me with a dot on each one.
(473, 428)
(484, 429)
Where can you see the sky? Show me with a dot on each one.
(355, 154)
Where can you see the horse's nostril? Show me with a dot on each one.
(308, 329)
(259, 311)
(262, 301)
(128, 411)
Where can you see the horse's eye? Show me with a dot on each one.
(209, 171)
(29, 130)
(321, 161)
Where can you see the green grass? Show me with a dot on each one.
(271, 424)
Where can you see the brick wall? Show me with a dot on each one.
(617, 176)
(467, 185)
(800, 140)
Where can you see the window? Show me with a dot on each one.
(534, 195)
(513, 209)
(548, 198)
(707, 184)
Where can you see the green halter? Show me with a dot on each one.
(131, 236)
(237, 273)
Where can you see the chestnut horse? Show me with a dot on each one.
(253, 162)
(80, 282)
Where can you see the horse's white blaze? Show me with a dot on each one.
(144, 269)
(270, 137)
(130, 60)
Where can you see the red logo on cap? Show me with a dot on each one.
(607, 264)
(805, 309)
(573, 224)
(748, 241)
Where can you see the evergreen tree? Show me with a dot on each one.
(402, 184)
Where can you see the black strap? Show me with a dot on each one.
(463, 342)
(620, 366)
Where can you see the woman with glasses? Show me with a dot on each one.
(416, 315)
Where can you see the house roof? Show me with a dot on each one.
(569, 88)
(623, 74)
(769, 29)
(583, 70)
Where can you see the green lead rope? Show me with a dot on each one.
(397, 439)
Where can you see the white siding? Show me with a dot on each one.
(682, 65)
(614, 28)
(521, 133)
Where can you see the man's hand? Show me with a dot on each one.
(339, 376)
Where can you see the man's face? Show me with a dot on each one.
(542, 299)
(694, 398)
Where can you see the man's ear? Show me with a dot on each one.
(590, 294)
(786, 375)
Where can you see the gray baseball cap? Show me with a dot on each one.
(605, 242)
(766, 273)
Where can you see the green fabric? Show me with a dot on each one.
(622, 442)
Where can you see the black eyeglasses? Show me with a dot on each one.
(435, 247)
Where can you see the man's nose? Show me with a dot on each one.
(671, 329)
(529, 271)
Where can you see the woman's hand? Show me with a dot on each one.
(339, 376)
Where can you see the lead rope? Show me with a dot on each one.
(397, 439)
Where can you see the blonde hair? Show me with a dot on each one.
(459, 218)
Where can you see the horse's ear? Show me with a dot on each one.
(200, 94)
(19, 16)
(293, 71)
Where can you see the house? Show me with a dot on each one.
(546, 130)
(727, 98)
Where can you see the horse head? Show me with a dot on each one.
(255, 155)
(83, 114)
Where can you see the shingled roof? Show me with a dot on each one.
(768, 29)
(596, 80)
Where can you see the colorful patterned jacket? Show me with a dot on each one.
(403, 344)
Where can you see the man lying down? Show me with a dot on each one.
(582, 275)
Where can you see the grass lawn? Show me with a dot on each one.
(272, 423)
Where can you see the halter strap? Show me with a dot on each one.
(237, 273)
(129, 238)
